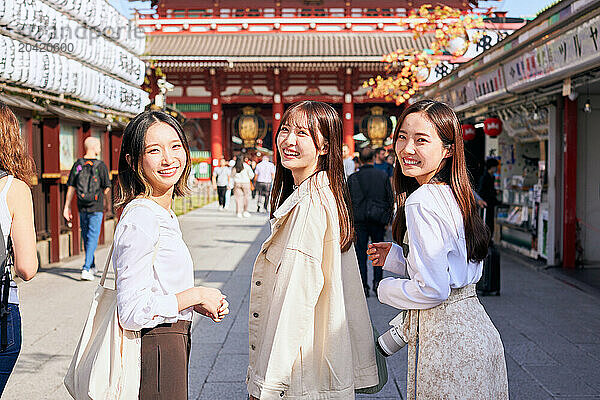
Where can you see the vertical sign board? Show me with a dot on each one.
(201, 165)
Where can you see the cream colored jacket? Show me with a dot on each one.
(309, 327)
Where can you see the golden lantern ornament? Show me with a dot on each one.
(377, 126)
(249, 126)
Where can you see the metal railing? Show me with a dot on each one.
(202, 193)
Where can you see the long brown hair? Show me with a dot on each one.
(132, 181)
(322, 117)
(453, 172)
(14, 158)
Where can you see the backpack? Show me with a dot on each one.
(6, 262)
(87, 185)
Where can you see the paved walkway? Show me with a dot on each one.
(550, 328)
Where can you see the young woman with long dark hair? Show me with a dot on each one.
(309, 328)
(242, 176)
(154, 269)
(17, 173)
(459, 351)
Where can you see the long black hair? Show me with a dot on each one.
(132, 181)
(453, 172)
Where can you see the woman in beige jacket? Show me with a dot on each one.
(309, 327)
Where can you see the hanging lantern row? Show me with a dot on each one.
(469, 132)
(97, 15)
(58, 74)
(55, 32)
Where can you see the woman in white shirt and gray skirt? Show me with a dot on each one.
(459, 351)
(154, 268)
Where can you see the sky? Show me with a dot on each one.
(515, 8)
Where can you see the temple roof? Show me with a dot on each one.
(281, 47)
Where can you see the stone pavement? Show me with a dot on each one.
(550, 327)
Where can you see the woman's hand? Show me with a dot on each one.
(205, 300)
(378, 252)
(212, 303)
(222, 311)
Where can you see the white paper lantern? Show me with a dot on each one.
(10, 59)
(458, 46)
(64, 74)
(32, 78)
(7, 11)
(4, 60)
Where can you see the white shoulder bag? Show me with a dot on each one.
(106, 363)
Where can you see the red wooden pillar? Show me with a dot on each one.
(51, 172)
(116, 138)
(570, 182)
(216, 117)
(277, 109)
(82, 133)
(29, 136)
(348, 111)
(106, 158)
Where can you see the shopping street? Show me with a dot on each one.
(550, 327)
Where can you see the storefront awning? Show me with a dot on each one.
(75, 115)
(20, 102)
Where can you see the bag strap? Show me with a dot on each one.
(112, 246)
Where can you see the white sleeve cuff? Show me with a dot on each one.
(395, 261)
(166, 306)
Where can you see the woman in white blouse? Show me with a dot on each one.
(459, 351)
(154, 268)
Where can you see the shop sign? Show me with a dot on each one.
(570, 50)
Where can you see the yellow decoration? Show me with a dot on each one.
(450, 27)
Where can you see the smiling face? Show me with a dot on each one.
(419, 149)
(164, 158)
(297, 148)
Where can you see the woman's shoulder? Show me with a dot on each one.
(18, 190)
(428, 195)
(142, 213)
(18, 186)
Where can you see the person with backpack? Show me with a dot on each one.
(18, 247)
(373, 206)
(88, 180)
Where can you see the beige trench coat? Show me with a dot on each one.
(309, 327)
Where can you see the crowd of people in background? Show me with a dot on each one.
(243, 177)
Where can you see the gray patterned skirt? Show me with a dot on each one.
(454, 351)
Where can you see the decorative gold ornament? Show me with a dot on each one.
(408, 69)
(377, 126)
(249, 126)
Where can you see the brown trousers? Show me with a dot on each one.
(165, 356)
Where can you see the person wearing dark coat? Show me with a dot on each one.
(487, 191)
(369, 187)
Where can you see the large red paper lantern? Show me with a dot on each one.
(492, 126)
(468, 132)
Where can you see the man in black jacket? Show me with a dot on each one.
(372, 205)
(488, 192)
